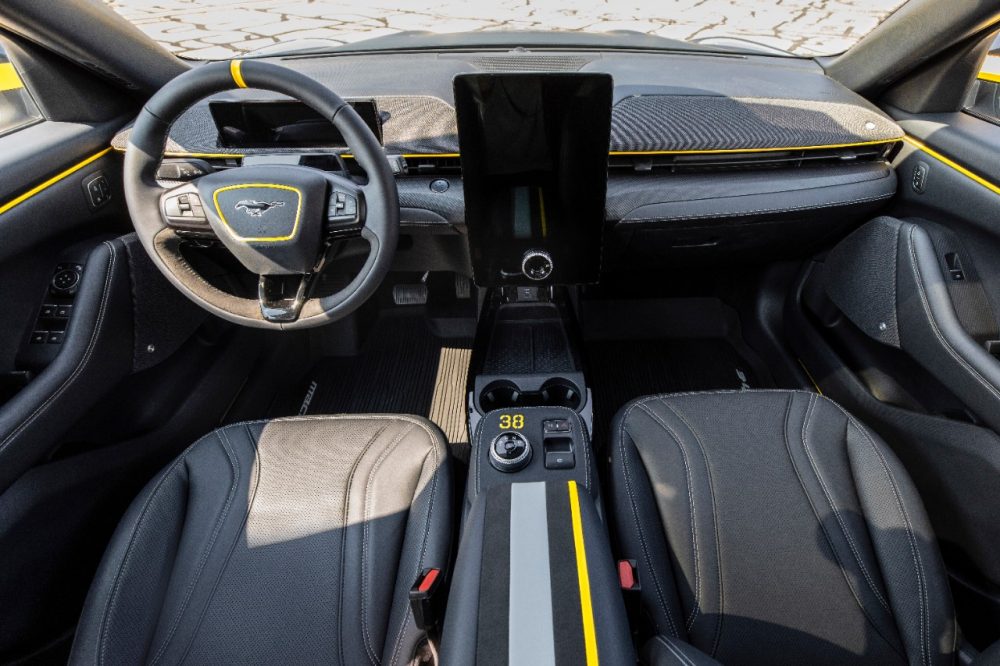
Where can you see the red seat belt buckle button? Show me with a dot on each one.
(424, 600)
(628, 575)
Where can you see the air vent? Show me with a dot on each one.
(750, 161)
(431, 165)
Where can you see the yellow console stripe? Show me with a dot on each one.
(586, 605)
(52, 181)
(541, 210)
(954, 165)
(234, 69)
(260, 239)
(9, 80)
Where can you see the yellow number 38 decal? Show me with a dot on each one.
(512, 421)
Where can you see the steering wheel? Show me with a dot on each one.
(280, 222)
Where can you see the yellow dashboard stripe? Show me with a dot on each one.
(989, 76)
(9, 80)
(615, 153)
(954, 165)
(205, 155)
(234, 69)
(721, 151)
(586, 604)
(52, 181)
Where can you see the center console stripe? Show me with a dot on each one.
(530, 611)
(586, 607)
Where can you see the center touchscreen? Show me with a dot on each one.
(534, 151)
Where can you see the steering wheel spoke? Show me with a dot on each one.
(282, 296)
(182, 209)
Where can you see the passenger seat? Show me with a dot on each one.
(770, 527)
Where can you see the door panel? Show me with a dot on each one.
(932, 390)
(106, 373)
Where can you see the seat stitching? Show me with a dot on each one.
(235, 466)
(914, 551)
(113, 597)
(638, 523)
(823, 528)
(343, 542)
(715, 523)
(364, 541)
(423, 548)
(691, 512)
(681, 657)
(251, 501)
(91, 345)
(933, 322)
(810, 410)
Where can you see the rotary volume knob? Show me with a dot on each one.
(510, 451)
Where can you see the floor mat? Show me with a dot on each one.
(621, 370)
(403, 368)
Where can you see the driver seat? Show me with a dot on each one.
(286, 541)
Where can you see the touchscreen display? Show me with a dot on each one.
(534, 151)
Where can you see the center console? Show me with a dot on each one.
(534, 580)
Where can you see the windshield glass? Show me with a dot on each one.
(221, 29)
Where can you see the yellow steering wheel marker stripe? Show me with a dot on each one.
(234, 69)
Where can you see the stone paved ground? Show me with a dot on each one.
(224, 28)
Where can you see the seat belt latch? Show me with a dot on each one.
(628, 579)
(424, 601)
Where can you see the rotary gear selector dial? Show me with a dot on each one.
(510, 451)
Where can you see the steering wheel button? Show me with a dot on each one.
(172, 207)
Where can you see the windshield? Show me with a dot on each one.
(221, 29)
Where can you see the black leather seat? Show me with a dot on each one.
(770, 527)
(289, 541)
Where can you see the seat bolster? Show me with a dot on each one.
(636, 520)
(427, 544)
(130, 592)
(906, 549)
(665, 651)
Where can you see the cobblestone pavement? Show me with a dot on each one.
(224, 28)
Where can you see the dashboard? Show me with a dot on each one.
(709, 155)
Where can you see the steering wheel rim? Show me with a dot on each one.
(379, 224)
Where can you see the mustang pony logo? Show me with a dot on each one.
(255, 208)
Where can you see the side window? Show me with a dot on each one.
(17, 109)
(984, 101)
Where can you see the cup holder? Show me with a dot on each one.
(499, 395)
(560, 393)
(505, 394)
